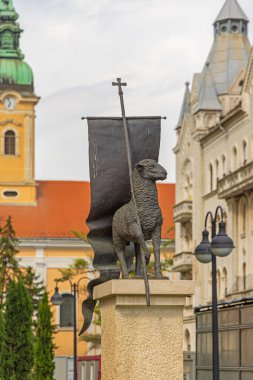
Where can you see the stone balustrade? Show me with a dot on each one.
(183, 211)
(182, 262)
(237, 182)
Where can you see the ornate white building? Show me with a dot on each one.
(214, 163)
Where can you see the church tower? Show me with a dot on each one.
(17, 115)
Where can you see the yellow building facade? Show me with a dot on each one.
(17, 183)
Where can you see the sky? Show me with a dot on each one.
(76, 48)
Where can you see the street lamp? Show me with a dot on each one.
(221, 245)
(57, 300)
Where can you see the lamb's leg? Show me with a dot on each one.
(122, 261)
(138, 266)
(156, 241)
(120, 246)
(143, 254)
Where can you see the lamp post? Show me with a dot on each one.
(221, 245)
(57, 300)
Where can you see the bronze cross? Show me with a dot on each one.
(119, 84)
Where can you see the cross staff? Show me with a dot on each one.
(129, 160)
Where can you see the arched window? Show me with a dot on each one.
(234, 158)
(211, 176)
(223, 165)
(187, 339)
(217, 171)
(224, 283)
(244, 152)
(244, 276)
(10, 143)
(67, 311)
(244, 216)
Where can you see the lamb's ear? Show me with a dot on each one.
(139, 167)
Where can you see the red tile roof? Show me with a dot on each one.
(63, 206)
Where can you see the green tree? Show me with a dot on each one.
(1, 339)
(9, 265)
(10, 268)
(17, 346)
(34, 286)
(44, 347)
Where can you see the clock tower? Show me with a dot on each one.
(17, 115)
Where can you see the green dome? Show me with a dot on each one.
(15, 72)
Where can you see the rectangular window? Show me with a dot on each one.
(229, 348)
(9, 143)
(204, 349)
(67, 311)
(247, 348)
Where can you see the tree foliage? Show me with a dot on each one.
(44, 347)
(1, 339)
(17, 343)
(9, 265)
(79, 266)
(34, 286)
(10, 268)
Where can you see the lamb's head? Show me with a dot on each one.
(150, 169)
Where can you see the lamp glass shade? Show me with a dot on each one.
(57, 299)
(222, 245)
(202, 251)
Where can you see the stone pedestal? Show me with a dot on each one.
(141, 342)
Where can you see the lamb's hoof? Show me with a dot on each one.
(125, 276)
(159, 275)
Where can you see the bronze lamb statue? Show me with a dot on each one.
(140, 219)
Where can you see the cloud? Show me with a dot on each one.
(76, 48)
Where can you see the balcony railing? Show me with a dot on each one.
(237, 182)
(183, 211)
(182, 262)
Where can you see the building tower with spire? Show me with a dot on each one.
(214, 164)
(17, 114)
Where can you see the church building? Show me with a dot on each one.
(214, 166)
(44, 213)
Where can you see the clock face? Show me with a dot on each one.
(10, 102)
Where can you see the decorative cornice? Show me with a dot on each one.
(53, 242)
(229, 121)
(11, 121)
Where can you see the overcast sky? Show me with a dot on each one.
(77, 47)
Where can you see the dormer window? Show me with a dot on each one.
(234, 28)
(224, 29)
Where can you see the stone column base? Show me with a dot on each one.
(141, 342)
